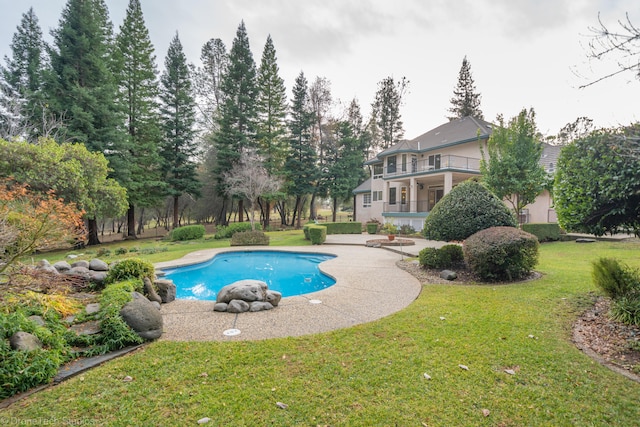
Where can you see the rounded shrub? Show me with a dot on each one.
(501, 253)
(465, 210)
(132, 268)
(445, 257)
(188, 232)
(249, 238)
(454, 252)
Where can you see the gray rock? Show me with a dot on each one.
(62, 266)
(166, 290)
(38, 320)
(91, 327)
(373, 245)
(97, 276)
(221, 306)
(80, 263)
(260, 306)
(585, 240)
(142, 317)
(24, 341)
(98, 265)
(79, 271)
(246, 290)
(156, 304)
(448, 275)
(150, 291)
(92, 308)
(238, 306)
(43, 265)
(273, 297)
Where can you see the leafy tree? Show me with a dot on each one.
(250, 179)
(323, 142)
(597, 184)
(13, 124)
(24, 72)
(179, 147)
(81, 86)
(468, 208)
(31, 221)
(271, 113)
(465, 101)
(512, 170)
(386, 110)
(238, 112)
(300, 166)
(70, 170)
(138, 90)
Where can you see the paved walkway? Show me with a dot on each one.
(368, 286)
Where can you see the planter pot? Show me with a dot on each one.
(391, 236)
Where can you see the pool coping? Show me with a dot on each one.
(369, 286)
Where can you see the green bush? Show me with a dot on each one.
(406, 229)
(372, 227)
(114, 332)
(465, 210)
(225, 232)
(501, 253)
(545, 232)
(617, 280)
(305, 230)
(626, 309)
(121, 251)
(132, 268)
(445, 257)
(454, 251)
(343, 227)
(249, 238)
(188, 232)
(317, 234)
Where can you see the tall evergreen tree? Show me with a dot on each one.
(81, 86)
(24, 72)
(465, 101)
(238, 112)
(178, 108)
(208, 83)
(300, 166)
(139, 165)
(386, 110)
(271, 112)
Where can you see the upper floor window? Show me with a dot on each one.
(391, 164)
(434, 161)
(378, 171)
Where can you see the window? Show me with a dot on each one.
(366, 200)
(378, 171)
(404, 163)
(414, 164)
(434, 161)
(392, 196)
(403, 195)
(391, 164)
(377, 196)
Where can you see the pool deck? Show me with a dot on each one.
(369, 286)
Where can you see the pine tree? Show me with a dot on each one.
(138, 91)
(178, 108)
(300, 166)
(238, 112)
(81, 87)
(208, 82)
(465, 101)
(386, 110)
(271, 111)
(24, 71)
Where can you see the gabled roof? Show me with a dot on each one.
(457, 131)
(549, 158)
(365, 187)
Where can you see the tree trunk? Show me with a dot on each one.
(312, 207)
(299, 205)
(141, 222)
(240, 210)
(267, 215)
(335, 209)
(92, 235)
(131, 222)
(176, 220)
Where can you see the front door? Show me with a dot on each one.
(435, 194)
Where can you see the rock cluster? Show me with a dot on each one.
(246, 295)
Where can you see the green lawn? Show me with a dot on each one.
(373, 374)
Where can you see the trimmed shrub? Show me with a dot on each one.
(305, 230)
(454, 252)
(249, 238)
(445, 257)
(372, 227)
(617, 280)
(501, 253)
(133, 268)
(225, 232)
(467, 209)
(188, 232)
(343, 227)
(543, 231)
(317, 234)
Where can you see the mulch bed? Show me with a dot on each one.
(601, 338)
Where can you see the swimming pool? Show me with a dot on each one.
(290, 273)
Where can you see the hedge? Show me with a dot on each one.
(249, 238)
(188, 232)
(543, 231)
(343, 227)
(317, 234)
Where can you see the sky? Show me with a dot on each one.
(523, 53)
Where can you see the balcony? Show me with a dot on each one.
(427, 166)
(419, 206)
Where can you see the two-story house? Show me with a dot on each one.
(409, 178)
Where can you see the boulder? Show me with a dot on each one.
(260, 306)
(220, 306)
(43, 265)
(24, 341)
(38, 320)
(97, 277)
(273, 297)
(141, 315)
(237, 306)
(166, 290)
(80, 271)
(91, 327)
(62, 266)
(80, 263)
(448, 275)
(98, 265)
(246, 290)
(92, 308)
(150, 291)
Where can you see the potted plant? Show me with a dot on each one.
(391, 230)
(372, 226)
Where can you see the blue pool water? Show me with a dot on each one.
(291, 273)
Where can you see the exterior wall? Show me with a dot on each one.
(542, 209)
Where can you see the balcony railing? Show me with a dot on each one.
(419, 206)
(425, 166)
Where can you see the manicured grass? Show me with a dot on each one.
(372, 374)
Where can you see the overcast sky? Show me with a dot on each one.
(523, 53)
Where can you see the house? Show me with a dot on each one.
(409, 178)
